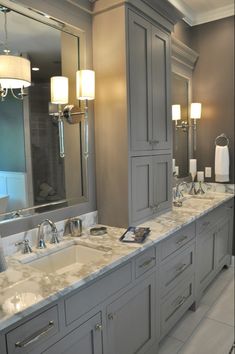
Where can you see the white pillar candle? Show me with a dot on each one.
(173, 165)
(193, 166)
(177, 170)
(200, 176)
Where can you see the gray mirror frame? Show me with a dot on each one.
(78, 23)
(183, 61)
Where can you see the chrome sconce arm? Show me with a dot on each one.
(72, 115)
(85, 90)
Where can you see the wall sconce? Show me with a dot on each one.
(85, 91)
(15, 70)
(176, 113)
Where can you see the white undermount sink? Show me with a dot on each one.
(66, 259)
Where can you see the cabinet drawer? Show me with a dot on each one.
(211, 219)
(177, 240)
(176, 305)
(177, 268)
(83, 301)
(27, 337)
(145, 262)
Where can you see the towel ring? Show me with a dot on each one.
(222, 136)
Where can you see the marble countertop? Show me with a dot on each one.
(24, 289)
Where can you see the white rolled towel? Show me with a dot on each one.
(221, 164)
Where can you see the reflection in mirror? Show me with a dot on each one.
(32, 173)
(183, 61)
(180, 136)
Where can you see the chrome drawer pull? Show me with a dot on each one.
(98, 327)
(110, 316)
(36, 336)
(152, 142)
(182, 301)
(146, 263)
(181, 268)
(182, 240)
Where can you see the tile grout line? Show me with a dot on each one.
(205, 317)
(224, 323)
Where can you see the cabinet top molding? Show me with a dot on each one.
(162, 7)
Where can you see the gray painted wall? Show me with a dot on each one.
(213, 82)
(212, 85)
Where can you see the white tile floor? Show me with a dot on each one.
(209, 330)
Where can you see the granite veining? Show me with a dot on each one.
(24, 289)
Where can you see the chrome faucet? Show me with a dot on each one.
(178, 194)
(41, 236)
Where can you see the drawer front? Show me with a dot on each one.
(145, 262)
(30, 335)
(211, 219)
(177, 240)
(177, 268)
(176, 305)
(83, 301)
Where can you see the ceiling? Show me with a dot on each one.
(201, 11)
(41, 43)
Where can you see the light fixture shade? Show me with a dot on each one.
(85, 82)
(59, 89)
(176, 112)
(196, 110)
(15, 72)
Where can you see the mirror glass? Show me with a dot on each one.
(180, 90)
(33, 176)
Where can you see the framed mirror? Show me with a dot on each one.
(183, 62)
(34, 179)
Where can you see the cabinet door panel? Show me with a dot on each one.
(131, 320)
(205, 259)
(161, 86)
(162, 182)
(140, 82)
(86, 339)
(222, 244)
(142, 187)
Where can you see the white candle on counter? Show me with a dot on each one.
(200, 176)
(173, 165)
(193, 166)
(177, 170)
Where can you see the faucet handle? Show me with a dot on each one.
(54, 237)
(25, 243)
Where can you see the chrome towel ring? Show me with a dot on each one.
(222, 140)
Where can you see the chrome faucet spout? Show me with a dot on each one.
(41, 236)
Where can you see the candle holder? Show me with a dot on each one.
(200, 189)
(192, 190)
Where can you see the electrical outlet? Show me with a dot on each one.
(208, 172)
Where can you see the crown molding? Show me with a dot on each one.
(182, 54)
(213, 15)
(194, 19)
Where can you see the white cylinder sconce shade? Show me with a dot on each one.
(85, 84)
(196, 110)
(15, 72)
(59, 89)
(176, 112)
